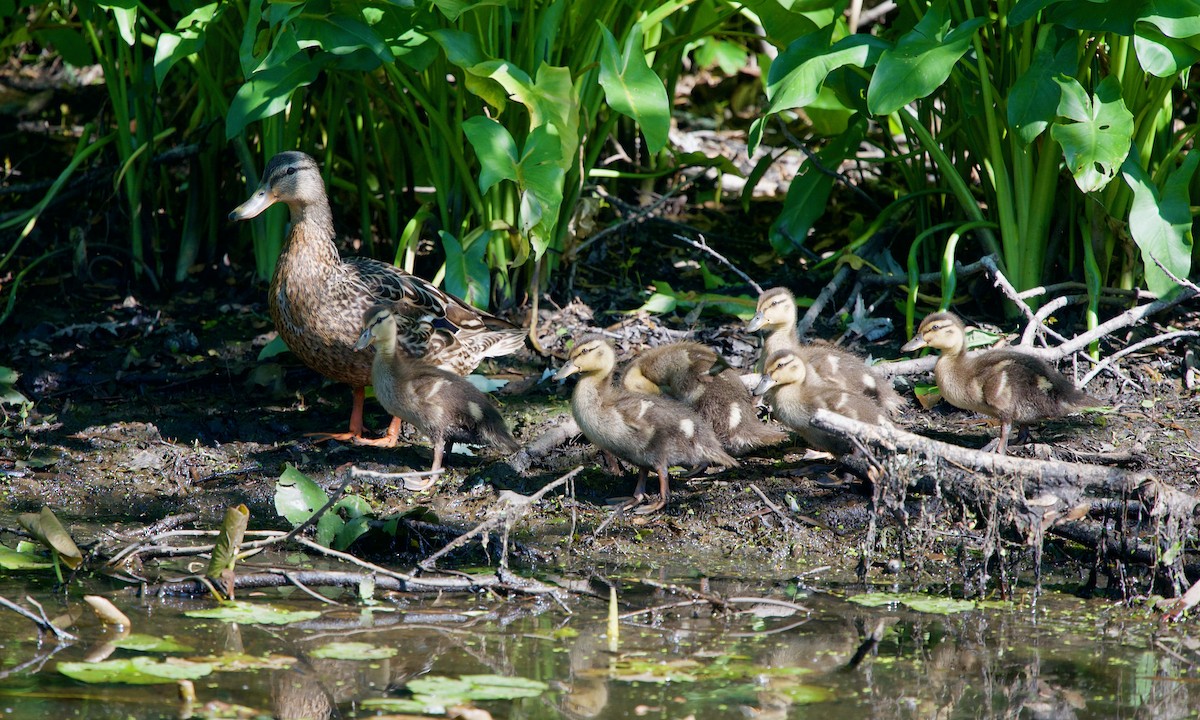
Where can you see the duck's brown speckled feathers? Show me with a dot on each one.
(1014, 387)
(794, 399)
(827, 364)
(696, 375)
(317, 299)
(442, 405)
(648, 431)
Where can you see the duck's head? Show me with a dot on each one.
(784, 367)
(379, 327)
(292, 178)
(591, 355)
(776, 309)
(943, 331)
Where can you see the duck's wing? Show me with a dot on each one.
(391, 285)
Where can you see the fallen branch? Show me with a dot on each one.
(545, 443)
(43, 623)
(703, 246)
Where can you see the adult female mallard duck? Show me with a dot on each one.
(647, 431)
(1009, 385)
(317, 299)
(830, 364)
(440, 404)
(696, 375)
(795, 397)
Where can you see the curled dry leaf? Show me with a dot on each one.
(109, 614)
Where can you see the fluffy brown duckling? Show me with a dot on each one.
(650, 432)
(828, 364)
(440, 404)
(696, 375)
(1009, 385)
(795, 397)
(317, 299)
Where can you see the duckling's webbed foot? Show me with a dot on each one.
(664, 493)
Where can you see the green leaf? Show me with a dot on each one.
(151, 644)
(297, 497)
(495, 148)
(633, 89)
(467, 273)
(1174, 18)
(268, 92)
(932, 604)
(1098, 138)
(69, 44)
(476, 687)
(125, 12)
(541, 178)
(341, 36)
(49, 531)
(810, 189)
(782, 21)
(1164, 56)
(188, 39)
(921, 60)
(276, 347)
(1161, 224)
(229, 541)
(354, 651)
(1033, 100)
(251, 614)
(135, 671)
(16, 560)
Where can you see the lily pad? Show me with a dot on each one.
(139, 642)
(432, 694)
(918, 602)
(251, 614)
(239, 662)
(135, 671)
(354, 651)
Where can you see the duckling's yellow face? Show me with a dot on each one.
(782, 368)
(776, 309)
(379, 326)
(943, 331)
(593, 356)
(292, 178)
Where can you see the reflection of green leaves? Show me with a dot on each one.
(252, 614)
(46, 528)
(354, 651)
(434, 693)
(135, 671)
(932, 604)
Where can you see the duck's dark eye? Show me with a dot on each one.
(291, 171)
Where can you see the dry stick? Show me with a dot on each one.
(42, 622)
(822, 299)
(638, 215)
(998, 279)
(516, 503)
(787, 520)
(544, 444)
(1074, 285)
(703, 245)
(1156, 340)
(960, 271)
(1042, 313)
(291, 577)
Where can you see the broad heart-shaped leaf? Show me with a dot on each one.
(68, 43)
(151, 644)
(551, 100)
(921, 60)
(135, 671)
(1161, 224)
(1033, 101)
(1026, 10)
(125, 12)
(1114, 16)
(1164, 56)
(798, 74)
(1098, 140)
(783, 22)
(268, 92)
(541, 182)
(1174, 18)
(810, 189)
(188, 39)
(467, 273)
(632, 88)
(340, 35)
(49, 531)
(297, 497)
(495, 148)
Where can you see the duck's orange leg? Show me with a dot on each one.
(356, 422)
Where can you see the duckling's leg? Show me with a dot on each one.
(639, 492)
(417, 485)
(664, 493)
(1002, 443)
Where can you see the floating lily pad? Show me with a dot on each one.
(918, 602)
(135, 671)
(432, 694)
(238, 662)
(251, 614)
(651, 671)
(149, 643)
(354, 651)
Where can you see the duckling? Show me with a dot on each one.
(794, 398)
(317, 299)
(830, 364)
(647, 431)
(696, 375)
(440, 404)
(1009, 385)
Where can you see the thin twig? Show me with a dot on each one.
(640, 213)
(42, 622)
(822, 299)
(703, 245)
(998, 279)
(1156, 340)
